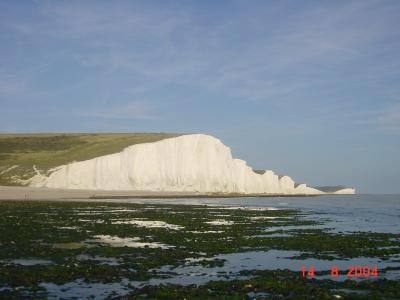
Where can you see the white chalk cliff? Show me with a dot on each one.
(188, 163)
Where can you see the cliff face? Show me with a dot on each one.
(195, 162)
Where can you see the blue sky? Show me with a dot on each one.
(306, 88)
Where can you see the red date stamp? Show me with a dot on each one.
(352, 271)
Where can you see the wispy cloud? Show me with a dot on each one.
(317, 43)
(10, 84)
(132, 110)
(388, 120)
(272, 53)
(381, 120)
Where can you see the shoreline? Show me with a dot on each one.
(35, 193)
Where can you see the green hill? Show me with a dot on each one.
(20, 152)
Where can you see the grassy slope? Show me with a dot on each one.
(47, 151)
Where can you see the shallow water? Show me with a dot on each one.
(26, 261)
(270, 260)
(346, 213)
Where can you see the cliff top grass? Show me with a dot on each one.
(20, 152)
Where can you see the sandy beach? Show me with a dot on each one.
(34, 193)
